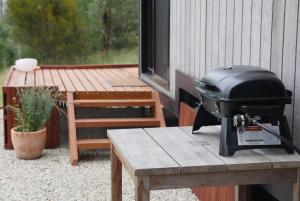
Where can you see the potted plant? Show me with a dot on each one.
(32, 110)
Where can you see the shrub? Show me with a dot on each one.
(50, 30)
(34, 108)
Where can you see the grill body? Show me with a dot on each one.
(249, 90)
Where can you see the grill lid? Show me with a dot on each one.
(242, 83)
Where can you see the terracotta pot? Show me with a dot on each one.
(28, 145)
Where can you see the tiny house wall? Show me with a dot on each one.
(206, 34)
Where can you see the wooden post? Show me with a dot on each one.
(296, 188)
(158, 110)
(242, 193)
(116, 176)
(72, 129)
(142, 189)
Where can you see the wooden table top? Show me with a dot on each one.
(175, 150)
(81, 78)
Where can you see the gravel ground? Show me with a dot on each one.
(52, 178)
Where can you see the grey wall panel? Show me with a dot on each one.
(297, 89)
(192, 33)
(203, 41)
(206, 34)
(222, 32)
(266, 34)
(211, 33)
(215, 33)
(289, 51)
(237, 32)
(246, 31)
(208, 39)
(277, 36)
(197, 38)
(256, 32)
(229, 32)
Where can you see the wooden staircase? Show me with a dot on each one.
(84, 144)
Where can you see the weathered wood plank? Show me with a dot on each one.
(229, 32)
(30, 81)
(197, 36)
(256, 32)
(280, 158)
(222, 32)
(296, 188)
(142, 189)
(85, 82)
(237, 32)
(203, 38)
(223, 178)
(72, 130)
(39, 78)
(116, 176)
(266, 34)
(297, 90)
(148, 158)
(57, 80)
(101, 80)
(209, 31)
(47, 78)
(182, 36)
(93, 81)
(76, 82)
(246, 32)
(242, 160)
(21, 79)
(192, 40)
(289, 52)
(277, 36)
(187, 37)
(67, 82)
(215, 33)
(13, 79)
(192, 157)
(107, 77)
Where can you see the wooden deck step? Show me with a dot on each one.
(114, 102)
(85, 144)
(117, 122)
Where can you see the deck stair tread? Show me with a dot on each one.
(85, 144)
(156, 120)
(117, 122)
(113, 102)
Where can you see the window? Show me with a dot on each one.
(155, 39)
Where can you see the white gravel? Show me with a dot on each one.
(52, 178)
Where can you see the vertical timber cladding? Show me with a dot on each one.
(206, 34)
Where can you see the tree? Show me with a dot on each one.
(50, 30)
(118, 22)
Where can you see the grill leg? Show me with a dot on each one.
(226, 137)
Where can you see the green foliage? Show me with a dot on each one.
(34, 108)
(50, 30)
(124, 22)
(7, 50)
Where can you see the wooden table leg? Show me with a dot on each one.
(242, 193)
(116, 176)
(296, 188)
(142, 189)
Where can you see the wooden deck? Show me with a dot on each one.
(81, 78)
(87, 86)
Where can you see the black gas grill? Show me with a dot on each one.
(244, 100)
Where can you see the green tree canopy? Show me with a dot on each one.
(50, 30)
(116, 21)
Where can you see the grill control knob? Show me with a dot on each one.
(239, 120)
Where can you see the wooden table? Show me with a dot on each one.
(170, 158)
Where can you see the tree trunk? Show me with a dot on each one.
(106, 18)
